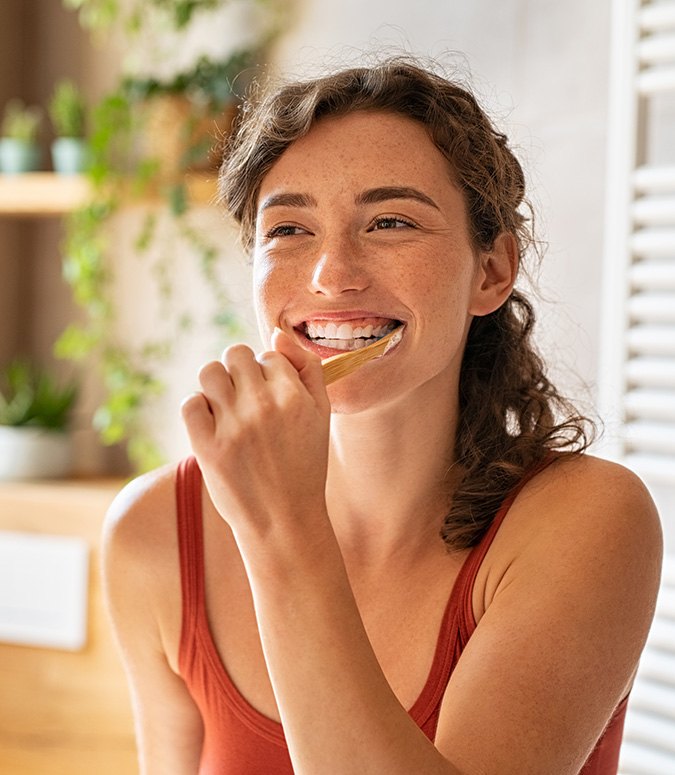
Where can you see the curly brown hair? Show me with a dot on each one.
(511, 416)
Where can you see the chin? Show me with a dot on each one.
(348, 397)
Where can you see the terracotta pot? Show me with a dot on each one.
(183, 138)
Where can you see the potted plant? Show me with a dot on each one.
(68, 114)
(34, 416)
(19, 151)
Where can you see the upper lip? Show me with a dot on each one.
(344, 315)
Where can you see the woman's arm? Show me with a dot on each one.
(565, 623)
(567, 617)
(549, 661)
(136, 562)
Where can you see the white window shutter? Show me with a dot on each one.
(637, 367)
(637, 370)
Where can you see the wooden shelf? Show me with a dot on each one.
(47, 194)
(42, 193)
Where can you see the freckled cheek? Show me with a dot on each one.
(273, 285)
(439, 294)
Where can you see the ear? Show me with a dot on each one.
(495, 275)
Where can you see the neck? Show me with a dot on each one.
(391, 474)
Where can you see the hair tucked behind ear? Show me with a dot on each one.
(511, 416)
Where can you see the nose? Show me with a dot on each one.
(338, 269)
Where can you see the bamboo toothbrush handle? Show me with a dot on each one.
(338, 366)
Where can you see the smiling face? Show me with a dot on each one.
(359, 227)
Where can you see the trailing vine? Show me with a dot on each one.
(120, 173)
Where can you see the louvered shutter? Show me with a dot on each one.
(637, 374)
(637, 369)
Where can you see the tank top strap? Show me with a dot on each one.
(467, 576)
(191, 554)
(458, 622)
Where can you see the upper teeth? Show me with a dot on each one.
(346, 331)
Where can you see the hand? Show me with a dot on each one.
(259, 430)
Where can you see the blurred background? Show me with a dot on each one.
(120, 274)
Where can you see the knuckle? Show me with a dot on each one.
(258, 403)
(265, 403)
(271, 356)
(236, 352)
(210, 370)
(191, 403)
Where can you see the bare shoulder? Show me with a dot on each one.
(590, 525)
(594, 496)
(143, 512)
(586, 522)
(140, 562)
(140, 542)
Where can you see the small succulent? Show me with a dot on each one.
(31, 396)
(20, 122)
(68, 110)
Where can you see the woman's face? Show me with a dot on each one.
(359, 227)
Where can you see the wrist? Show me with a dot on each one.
(287, 545)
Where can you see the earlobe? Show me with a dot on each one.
(496, 275)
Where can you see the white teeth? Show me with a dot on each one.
(345, 337)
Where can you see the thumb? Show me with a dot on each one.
(307, 364)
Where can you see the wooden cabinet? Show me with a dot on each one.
(65, 713)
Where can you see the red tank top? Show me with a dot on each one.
(238, 740)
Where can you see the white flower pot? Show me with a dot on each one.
(17, 156)
(34, 453)
(69, 155)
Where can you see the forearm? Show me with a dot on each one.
(339, 713)
(260, 432)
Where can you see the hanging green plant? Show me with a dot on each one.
(102, 14)
(123, 169)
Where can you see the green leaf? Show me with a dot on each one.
(178, 199)
(30, 396)
(76, 342)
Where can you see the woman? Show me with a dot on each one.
(416, 569)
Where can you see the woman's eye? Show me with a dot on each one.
(284, 230)
(391, 222)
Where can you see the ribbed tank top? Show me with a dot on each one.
(239, 740)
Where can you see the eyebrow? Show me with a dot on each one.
(288, 199)
(371, 196)
(385, 193)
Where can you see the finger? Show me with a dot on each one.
(243, 368)
(217, 387)
(198, 418)
(274, 365)
(307, 364)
